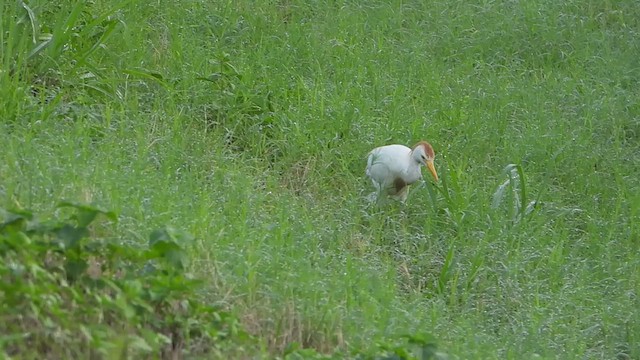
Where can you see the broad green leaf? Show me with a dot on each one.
(75, 268)
(70, 236)
(13, 223)
(170, 234)
(160, 235)
(165, 243)
(147, 74)
(87, 213)
(18, 241)
(15, 220)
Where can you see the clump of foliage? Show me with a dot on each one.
(65, 290)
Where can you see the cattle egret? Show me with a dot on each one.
(393, 168)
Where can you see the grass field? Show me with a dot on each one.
(247, 124)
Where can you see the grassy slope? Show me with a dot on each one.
(247, 124)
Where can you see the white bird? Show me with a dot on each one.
(392, 168)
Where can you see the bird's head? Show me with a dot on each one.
(423, 153)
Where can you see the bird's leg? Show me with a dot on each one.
(373, 197)
(403, 194)
(380, 197)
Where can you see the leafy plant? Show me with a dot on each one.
(409, 347)
(67, 292)
(414, 347)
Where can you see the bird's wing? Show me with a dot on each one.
(376, 167)
(383, 165)
(395, 157)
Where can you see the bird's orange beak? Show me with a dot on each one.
(432, 169)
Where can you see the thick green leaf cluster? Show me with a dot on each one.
(65, 291)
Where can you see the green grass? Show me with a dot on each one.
(247, 124)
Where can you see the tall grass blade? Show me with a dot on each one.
(446, 271)
(523, 191)
(498, 195)
(38, 49)
(111, 26)
(445, 190)
(432, 195)
(32, 20)
(62, 33)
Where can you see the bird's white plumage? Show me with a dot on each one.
(387, 163)
(392, 168)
